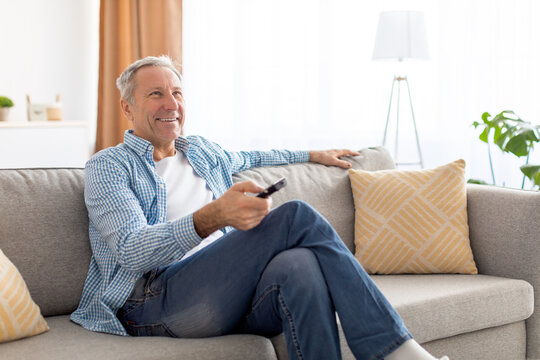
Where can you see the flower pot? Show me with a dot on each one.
(4, 113)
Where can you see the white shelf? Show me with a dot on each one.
(25, 144)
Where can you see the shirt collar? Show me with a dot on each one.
(145, 148)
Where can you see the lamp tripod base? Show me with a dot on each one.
(399, 80)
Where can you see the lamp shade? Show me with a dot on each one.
(400, 35)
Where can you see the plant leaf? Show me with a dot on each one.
(484, 135)
(517, 145)
(497, 134)
(532, 172)
(477, 181)
(501, 139)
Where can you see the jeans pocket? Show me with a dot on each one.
(130, 306)
(153, 286)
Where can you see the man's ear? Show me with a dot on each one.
(126, 109)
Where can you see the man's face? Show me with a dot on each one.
(157, 112)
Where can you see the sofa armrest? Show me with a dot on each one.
(504, 226)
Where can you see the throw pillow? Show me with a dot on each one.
(412, 221)
(19, 315)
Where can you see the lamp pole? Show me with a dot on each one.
(400, 79)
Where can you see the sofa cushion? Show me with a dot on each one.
(439, 305)
(44, 232)
(412, 221)
(19, 315)
(68, 341)
(325, 188)
(502, 342)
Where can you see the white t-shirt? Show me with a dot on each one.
(186, 193)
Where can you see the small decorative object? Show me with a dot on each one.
(5, 105)
(54, 110)
(44, 112)
(36, 112)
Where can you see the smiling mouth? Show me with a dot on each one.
(167, 119)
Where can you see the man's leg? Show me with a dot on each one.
(292, 297)
(372, 327)
(210, 292)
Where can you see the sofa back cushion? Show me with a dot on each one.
(325, 188)
(44, 232)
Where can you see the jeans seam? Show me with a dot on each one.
(285, 310)
(138, 304)
(261, 298)
(290, 320)
(137, 327)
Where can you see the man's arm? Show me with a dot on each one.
(238, 161)
(247, 159)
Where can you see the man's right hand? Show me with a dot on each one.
(234, 208)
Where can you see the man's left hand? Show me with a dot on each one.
(332, 157)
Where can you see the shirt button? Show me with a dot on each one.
(161, 186)
(161, 218)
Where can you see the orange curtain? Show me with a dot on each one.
(130, 30)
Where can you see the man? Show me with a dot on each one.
(167, 261)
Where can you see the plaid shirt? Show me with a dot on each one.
(126, 202)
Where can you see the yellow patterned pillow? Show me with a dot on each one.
(19, 315)
(412, 221)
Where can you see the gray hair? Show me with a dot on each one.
(126, 81)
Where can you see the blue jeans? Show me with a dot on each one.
(290, 274)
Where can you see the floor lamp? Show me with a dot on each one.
(401, 35)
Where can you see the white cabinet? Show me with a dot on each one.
(43, 144)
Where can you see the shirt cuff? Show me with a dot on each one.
(184, 232)
(301, 156)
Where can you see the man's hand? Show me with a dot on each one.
(234, 209)
(332, 157)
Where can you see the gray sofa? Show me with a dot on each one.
(43, 230)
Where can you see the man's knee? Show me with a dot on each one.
(298, 204)
(298, 207)
(298, 268)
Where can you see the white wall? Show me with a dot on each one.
(51, 47)
(299, 74)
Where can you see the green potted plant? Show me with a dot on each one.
(5, 105)
(512, 135)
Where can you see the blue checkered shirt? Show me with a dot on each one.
(129, 234)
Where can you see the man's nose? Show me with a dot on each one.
(171, 102)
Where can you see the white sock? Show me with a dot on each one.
(410, 350)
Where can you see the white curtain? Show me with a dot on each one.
(298, 74)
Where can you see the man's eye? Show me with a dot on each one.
(155, 93)
(177, 93)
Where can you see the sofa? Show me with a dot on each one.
(492, 315)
